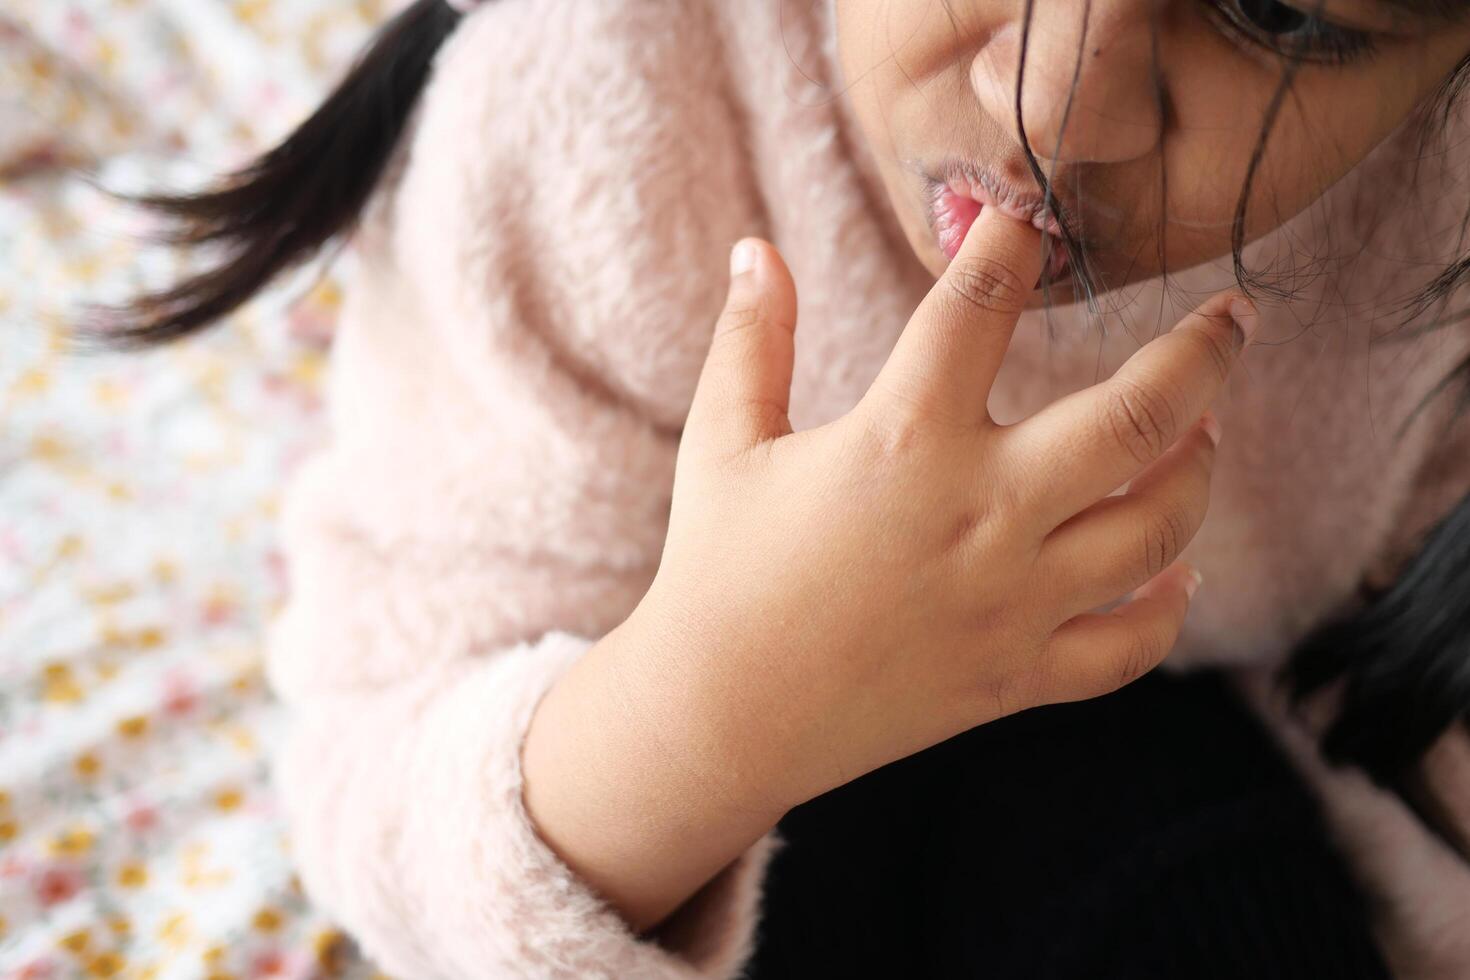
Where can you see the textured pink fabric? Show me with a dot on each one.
(538, 286)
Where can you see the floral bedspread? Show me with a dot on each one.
(138, 499)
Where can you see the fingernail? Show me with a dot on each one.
(742, 257)
(1195, 578)
(1211, 426)
(1243, 312)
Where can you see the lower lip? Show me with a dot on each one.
(955, 213)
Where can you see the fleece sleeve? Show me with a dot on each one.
(468, 533)
(407, 824)
(517, 354)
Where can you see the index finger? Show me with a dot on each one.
(947, 357)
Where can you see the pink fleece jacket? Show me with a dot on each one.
(538, 286)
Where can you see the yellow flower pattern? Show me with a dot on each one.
(140, 838)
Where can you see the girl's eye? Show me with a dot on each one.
(1293, 33)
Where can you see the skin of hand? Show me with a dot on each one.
(832, 600)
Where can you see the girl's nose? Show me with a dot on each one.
(1090, 92)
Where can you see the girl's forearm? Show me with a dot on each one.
(631, 779)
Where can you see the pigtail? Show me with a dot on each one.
(1404, 660)
(279, 211)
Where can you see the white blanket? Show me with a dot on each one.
(138, 498)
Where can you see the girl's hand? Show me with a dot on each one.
(831, 600)
(839, 598)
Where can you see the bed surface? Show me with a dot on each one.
(138, 500)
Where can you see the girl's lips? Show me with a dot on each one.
(953, 216)
(953, 213)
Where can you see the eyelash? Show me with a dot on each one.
(1317, 40)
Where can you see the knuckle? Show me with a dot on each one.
(1140, 653)
(899, 429)
(767, 414)
(909, 407)
(1165, 535)
(962, 529)
(1215, 349)
(1020, 687)
(741, 319)
(1141, 420)
(1009, 503)
(986, 283)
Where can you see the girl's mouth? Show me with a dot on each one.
(952, 211)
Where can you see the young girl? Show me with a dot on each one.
(587, 594)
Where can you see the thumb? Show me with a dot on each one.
(744, 390)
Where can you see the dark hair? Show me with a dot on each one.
(1405, 663)
(281, 209)
(1404, 657)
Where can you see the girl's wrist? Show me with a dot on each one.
(699, 690)
(632, 785)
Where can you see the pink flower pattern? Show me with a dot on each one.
(139, 552)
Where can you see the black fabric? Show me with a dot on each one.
(1155, 833)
